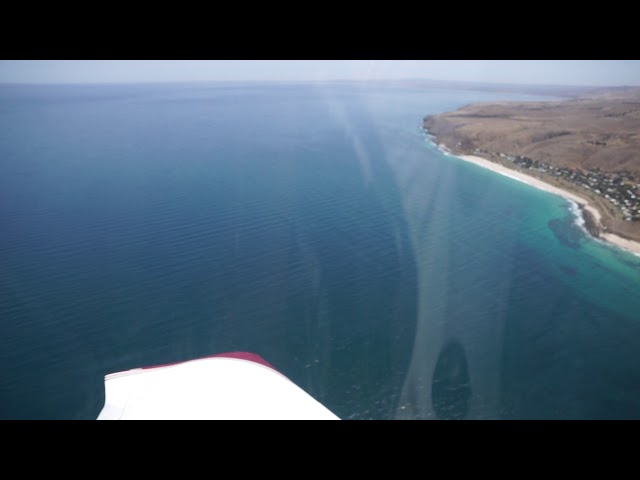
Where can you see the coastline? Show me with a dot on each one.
(620, 242)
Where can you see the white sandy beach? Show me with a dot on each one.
(628, 245)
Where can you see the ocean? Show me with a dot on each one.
(314, 225)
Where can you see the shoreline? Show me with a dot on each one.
(610, 238)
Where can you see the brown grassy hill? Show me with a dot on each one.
(600, 131)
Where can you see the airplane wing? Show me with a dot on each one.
(234, 385)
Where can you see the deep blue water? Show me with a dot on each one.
(313, 225)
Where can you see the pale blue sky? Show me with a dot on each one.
(557, 72)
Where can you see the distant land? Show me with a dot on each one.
(559, 91)
(588, 144)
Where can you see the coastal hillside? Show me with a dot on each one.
(588, 144)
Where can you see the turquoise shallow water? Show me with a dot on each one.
(313, 225)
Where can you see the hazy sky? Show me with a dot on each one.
(557, 72)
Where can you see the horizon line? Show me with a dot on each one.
(318, 81)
